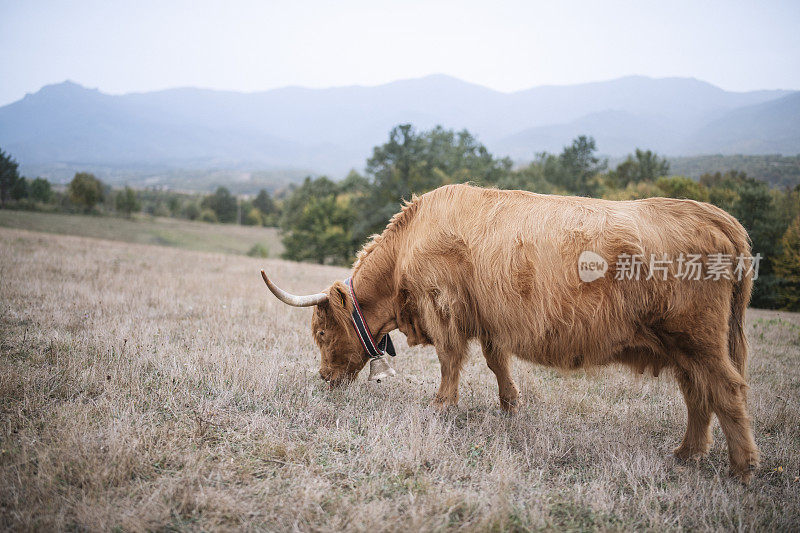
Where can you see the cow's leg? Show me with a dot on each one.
(451, 358)
(499, 363)
(728, 400)
(716, 381)
(698, 437)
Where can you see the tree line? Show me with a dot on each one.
(87, 194)
(777, 170)
(327, 221)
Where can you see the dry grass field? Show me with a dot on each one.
(158, 388)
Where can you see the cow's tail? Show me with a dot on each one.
(742, 287)
(740, 299)
(737, 342)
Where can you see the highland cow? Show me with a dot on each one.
(462, 263)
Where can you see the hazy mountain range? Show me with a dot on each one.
(66, 126)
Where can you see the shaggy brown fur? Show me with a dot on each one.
(462, 263)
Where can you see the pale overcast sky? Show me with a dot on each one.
(121, 46)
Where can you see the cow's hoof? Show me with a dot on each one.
(509, 407)
(689, 453)
(442, 405)
(744, 470)
(745, 476)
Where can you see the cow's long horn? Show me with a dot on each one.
(292, 299)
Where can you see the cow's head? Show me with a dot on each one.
(343, 356)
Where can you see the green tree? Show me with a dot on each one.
(9, 175)
(270, 215)
(787, 204)
(41, 190)
(208, 215)
(756, 212)
(317, 223)
(754, 209)
(578, 168)
(19, 191)
(414, 163)
(399, 167)
(644, 165)
(223, 204)
(254, 217)
(192, 211)
(127, 202)
(764, 215)
(532, 177)
(787, 267)
(724, 197)
(625, 174)
(160, 209)
(85, 190)
(263, 201)
(355, 184)
(723, 188)
(650, 166)
(682, 187)
(634, 191)
(174, 206)
(460, 157)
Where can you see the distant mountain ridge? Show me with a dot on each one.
(332, 130)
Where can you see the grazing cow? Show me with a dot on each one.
(462, 262)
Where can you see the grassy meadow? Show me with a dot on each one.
(145, 387)
(143, 229)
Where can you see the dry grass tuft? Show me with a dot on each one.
(154, 388)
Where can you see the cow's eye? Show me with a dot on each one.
(321, 332)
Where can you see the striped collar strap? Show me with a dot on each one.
(373, 350)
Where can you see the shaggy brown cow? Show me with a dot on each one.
(462, 262)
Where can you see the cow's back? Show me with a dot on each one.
(504, 265)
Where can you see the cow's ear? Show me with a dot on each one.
(338, 294)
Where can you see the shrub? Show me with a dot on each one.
(85, 190)
(254, 217)
(207, 215)
(9, 175)
(161, 210)
(174, 206)
(41, 191)
(20, 189)
(259, 250)
(787, 266)
(127, 203)
(682, 187)
(223, 204)
(192, 211)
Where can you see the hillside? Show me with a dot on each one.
(616, 132)
(778, 171)
(65, 127)
(771, 127)
(172, 232)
